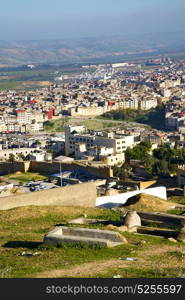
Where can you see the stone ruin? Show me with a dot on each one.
(169, 226)
(69, 235)
(132, 221)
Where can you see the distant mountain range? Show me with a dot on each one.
(90, 50)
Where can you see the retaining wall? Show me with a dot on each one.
(83, 194)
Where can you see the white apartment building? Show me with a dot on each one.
(36, 127)
(76, 135)
(24, 117)
(5, 154)
(170, 83)
(147, 104)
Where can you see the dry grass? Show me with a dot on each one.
(148, 203)
(41, 211)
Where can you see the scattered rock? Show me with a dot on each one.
(130, 259)
(140, 243)
(110, 227)
(132, 229)
(172, 240)
(143, 242)
(122, 228)
(24, 253)
(123, 238)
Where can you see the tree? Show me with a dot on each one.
(11, 157)
(161, 168)
(139, 152)
(22, 156)
(148, 162)
(122, 172)
(163, 152)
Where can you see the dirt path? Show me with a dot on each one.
(98, 267)
(85, 269)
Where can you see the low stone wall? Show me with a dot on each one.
(83, 194)
(8, 167)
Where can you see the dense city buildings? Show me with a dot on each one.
(98, 90)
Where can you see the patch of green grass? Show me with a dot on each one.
(9, 85)
(26, 233)
(149, 239)
(26, 177)
(99, 124)
(175, 211)
(55, 125)
(23, 229)
(144, 272)
(177, 254)
(177, 199)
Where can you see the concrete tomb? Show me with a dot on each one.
(70, 235)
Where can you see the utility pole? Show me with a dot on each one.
(60, 174)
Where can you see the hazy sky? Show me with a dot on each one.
(53, 19)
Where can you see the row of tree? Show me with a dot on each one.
(154, 117)
(163, 161)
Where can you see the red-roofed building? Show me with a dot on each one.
(32, 101)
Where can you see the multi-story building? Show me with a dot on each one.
(101, 145)
(173, 120)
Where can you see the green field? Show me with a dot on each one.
(9, 85)
(22, 230)
(24, 177)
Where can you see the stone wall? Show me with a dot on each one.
(83, 194)
(8, 167)
(53, 167)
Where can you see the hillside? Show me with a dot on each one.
(89, 50)
(23, 255)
